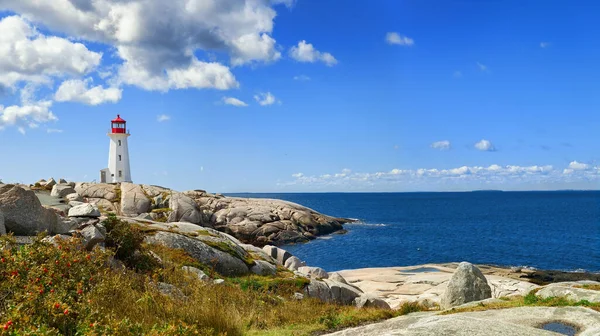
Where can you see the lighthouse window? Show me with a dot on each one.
(120, 173)
(119, 157)
(119, 144)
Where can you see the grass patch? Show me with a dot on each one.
(590, 287)
(529, 300)
(117, 192)
(65, 290)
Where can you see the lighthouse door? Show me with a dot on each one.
(103, 176)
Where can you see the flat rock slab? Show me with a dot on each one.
(523, 321)
(397, 285)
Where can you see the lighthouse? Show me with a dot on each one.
(118, 154)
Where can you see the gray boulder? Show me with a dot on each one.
(61, 190)
(170, 290)
(466, 284)
(280, 255)
(367, 300)
(293, 263)
(196, 272)
(343, 293)
(319, 290)
(23, 213)
(335, 276)
(133, 199)
(64, 225)
(50, 183)
(184, 209)
(262, 267)
(313, 272)
(91, 236)
(56, 240)
(84, 210)
(74, 197)
(223, 262)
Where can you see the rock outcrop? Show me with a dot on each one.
(574, 291)
(523, 321)
(61, 190)
(466, 284)
(253, 221)
(23, 213)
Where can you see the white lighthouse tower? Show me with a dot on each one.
(118, 154)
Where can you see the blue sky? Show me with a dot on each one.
(365, 96)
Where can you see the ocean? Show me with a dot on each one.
(557, 230)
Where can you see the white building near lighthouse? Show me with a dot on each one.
(118, 154)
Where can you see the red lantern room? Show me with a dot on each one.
(118, 125)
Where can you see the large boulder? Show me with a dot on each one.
(367, 300)
(293, 263)
(74, 197)
(133, 199)
(466, 284)
(61, 190)
(262, 267)
(91, 236)
(332, 291)
(50, 183)
(184, 209)
(313, 272)
(226, 263)
(280, 255)
(84, 210)
(23, 213)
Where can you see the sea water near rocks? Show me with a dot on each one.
(546, 230)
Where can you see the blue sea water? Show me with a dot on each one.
(557, 230)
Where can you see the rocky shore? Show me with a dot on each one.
(253, 221)
(228, 238)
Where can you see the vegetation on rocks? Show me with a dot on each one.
(522, 301)
(61, 289)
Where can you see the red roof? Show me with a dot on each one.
(118, 119)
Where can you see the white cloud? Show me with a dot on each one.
(31, 114)
(485, 145)
(287, 3)
(579, 166)
(544, 44)
(27, 55)
(163, 117)
(234, 101)
(395, 38)
(54, 130)
(157, 40)
(465, 177)
(302, 78)
(80, 91)
(441, 145)
(305, 52)
(482, 67)
(265, 99)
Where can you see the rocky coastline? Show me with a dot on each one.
(230, 238)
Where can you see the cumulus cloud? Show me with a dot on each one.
(265, 99)
(27, 55)
(441, 145)
(163, 117)
(395, 38)
(76, 90)
(157, 40)
(485, 145)
(579, 165)
(29, 114)
(463, 176)
(234, 102)
(306, 52)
